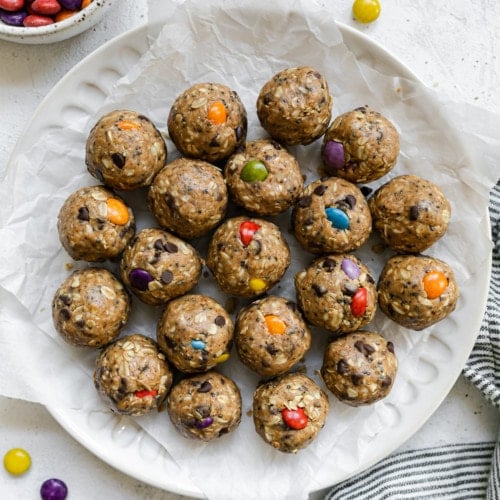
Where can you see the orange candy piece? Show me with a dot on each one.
(64, 14)
(435, 283)
(128, 125)
(217, 113)
(275, 325)
(117, 211)
(86, 3)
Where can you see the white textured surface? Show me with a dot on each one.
(451, 50)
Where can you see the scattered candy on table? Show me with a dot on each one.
(53, 489)
(36, 13)
(366, 11)
(17, 461)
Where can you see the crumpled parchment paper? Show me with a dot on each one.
(453, 144)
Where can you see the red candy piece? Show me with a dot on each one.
(295, 419)
(34, 21)
(145, 393)
(46, 7)
(359, 301)
(247, 230)
(11, 5)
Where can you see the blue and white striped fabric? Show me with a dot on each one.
(459, 471)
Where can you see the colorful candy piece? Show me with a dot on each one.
(17, 461)
(53, 489)
(295, 419)
(13, 18)
(333, 155)
(46, 7)
(366, 11)
(140, 278)
(217, 113)
(64, 14)
(222, 358)
(435, 283)
(338, 218)
(11, 5)
(117, 211)
(128, 125)
(275, 325)
(198, 344)
(71, 4)
(204, 423)
(257, 285)
(254, 171)
(86, 3)
(359, 302)
(350, 268)
(145, 393)
(35, 21)
(247, 231)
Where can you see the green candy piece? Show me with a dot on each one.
(254, 171)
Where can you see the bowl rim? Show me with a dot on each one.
(82, 17)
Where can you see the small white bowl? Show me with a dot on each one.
(74, 25)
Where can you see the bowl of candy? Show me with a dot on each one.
(47, 21)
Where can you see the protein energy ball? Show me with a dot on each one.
(195, 332)
(205, 406)
(337, 292)
(125, 150)
(188, 197)
(359, 368)
(208, 121)
(294, 107)
(247, 256)
(289, 411)
(158, 266)
(410, 213)
(271, 336)
(417, 291)
(90, 308)
(331, 216)
(94, 224)
(360, 146)
(132, 375)
(264, 177)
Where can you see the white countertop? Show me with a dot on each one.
(452, 46)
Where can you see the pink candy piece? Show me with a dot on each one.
(34, 21)
(11, 5)
(45, 7)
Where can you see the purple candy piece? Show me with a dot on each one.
(139, 278)
(71, 4)
(333, 154)
(204, 423)
(53, 489)
(13, 18)
(350, 268)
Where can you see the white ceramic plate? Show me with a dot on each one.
(125, 445)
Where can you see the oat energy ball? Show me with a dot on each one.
(131, 374)
(289, 411)
(271, 336)
(125, 150)
(294, 107)
(247, 256)
(417, 291)
(90, 308)
(188, 197)
(359, 368)
(360, 146)
(337, 292)
(331, 216)
(264, 177)
(410, 213)
(205, 406)
(94, 224)
(158, 266)
(195, 332)
(208, 121)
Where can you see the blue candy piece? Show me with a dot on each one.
(198, 344)
(338, 218)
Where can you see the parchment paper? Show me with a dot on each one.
(453, 144)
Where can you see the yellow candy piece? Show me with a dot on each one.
(257, 285)
(17, 461)
(275, 325)
(222, 358)
(117, 211)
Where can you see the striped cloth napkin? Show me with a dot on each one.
(457, 471)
